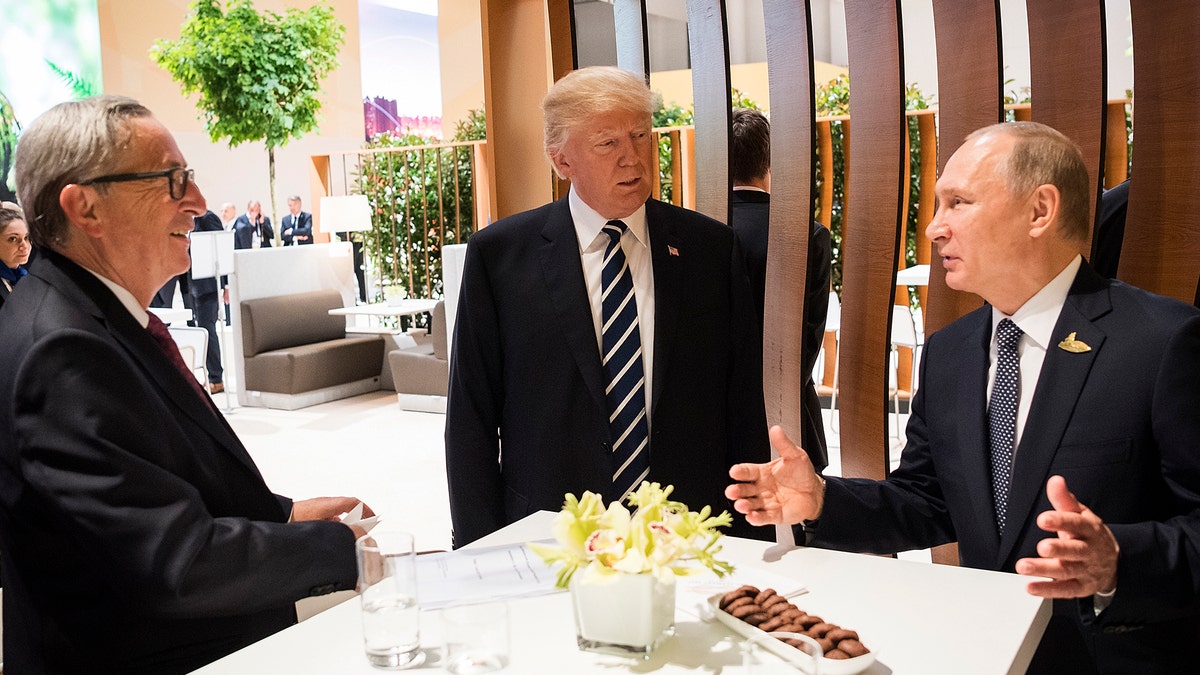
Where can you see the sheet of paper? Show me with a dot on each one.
(355, 517)
(495, 573)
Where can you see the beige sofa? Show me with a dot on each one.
(421, 375)
(295, 354)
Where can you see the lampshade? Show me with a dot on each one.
(348, 213)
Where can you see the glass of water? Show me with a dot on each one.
(387, 580)
(477, 638)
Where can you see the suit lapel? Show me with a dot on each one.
(1060, 383)
(144, 352)
(668, 287)
(970, 394)
(567, 291)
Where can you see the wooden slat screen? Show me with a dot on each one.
(1161, 250)
(871, 236)
(709, 47)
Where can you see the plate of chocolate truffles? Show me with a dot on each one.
(751, 612)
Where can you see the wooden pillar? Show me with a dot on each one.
(871, 237)
(970, 82)
(790, 67)
(633, 49)
(526, 45)
(709, 47)
(1161, 250)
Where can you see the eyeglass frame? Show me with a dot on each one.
(189, 176)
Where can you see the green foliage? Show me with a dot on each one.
(674, 115)
(9, 130)
(80, 86)
(257, 74)
(421, 200)
(473, 128)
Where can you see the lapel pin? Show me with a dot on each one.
(673, 251)
(1074, 346)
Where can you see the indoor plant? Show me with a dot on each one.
(624, 598)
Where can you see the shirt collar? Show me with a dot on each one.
(588, 223)
(139, 313)
(749, 188)
(1037, 317)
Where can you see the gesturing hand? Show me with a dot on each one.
(784, 491)
(1082, 560)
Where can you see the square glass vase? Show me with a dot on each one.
(623, 614)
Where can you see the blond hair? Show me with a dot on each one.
(586, 92)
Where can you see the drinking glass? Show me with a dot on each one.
(477, 638)
(387, 578)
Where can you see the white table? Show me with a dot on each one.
(917, 275)
(919, 619)
(402, 307)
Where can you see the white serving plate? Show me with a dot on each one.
(787, 652)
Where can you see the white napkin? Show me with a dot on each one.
(355, 517)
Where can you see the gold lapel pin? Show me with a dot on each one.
(1074, 346)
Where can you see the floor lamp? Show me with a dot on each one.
(342, 215)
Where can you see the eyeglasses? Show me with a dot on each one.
(177, 179)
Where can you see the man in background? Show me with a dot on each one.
(601, 340)
(206, 299)
(297, 224)
(1056, 430)
(750, 169)
(136, 532)
(252, 229)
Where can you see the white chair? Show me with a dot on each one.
(833, 322)
(907, 331)
(193, 346)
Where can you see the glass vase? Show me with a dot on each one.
(623, 614)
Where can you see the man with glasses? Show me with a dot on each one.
(136, 532)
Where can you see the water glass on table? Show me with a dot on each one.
(387, 578)
(477, 638)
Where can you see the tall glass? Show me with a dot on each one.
(387, 578)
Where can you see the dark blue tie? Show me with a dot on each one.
(1002, 415)
(624, 376)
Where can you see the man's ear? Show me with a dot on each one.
(80, 206)
(561, 167)
(1044, 204)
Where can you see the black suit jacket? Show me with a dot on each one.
(526, 420)
(137, 534)
(300, 226)
(243, 232)
(209, 222)
(1120, 422)
(751, 223)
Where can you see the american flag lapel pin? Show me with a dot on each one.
(672, 250)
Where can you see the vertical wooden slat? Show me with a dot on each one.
(871, 237)
(970, 81)
(708, 44)
(633, 49)
(927, 130)
(319, 186)
(825, 155)
(1116, 146)
(519, 63)
(1161, 250)
(790, 69)
(1068, 78)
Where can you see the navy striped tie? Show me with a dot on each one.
(1002, 415)
(624, 376)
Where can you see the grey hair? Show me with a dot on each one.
(71, 142)
(1042, 155)
(586, 92)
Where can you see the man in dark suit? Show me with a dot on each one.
(252, 229)
(1074, 455)
(207, 297)
(602, 339)
(750, 170)
(297, 224)
(136, 532)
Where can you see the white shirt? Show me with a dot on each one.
(1036, 318)
(139, 313)
(636, 245)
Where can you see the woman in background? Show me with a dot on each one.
(14, 249)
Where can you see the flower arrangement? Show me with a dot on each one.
(660, 537)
